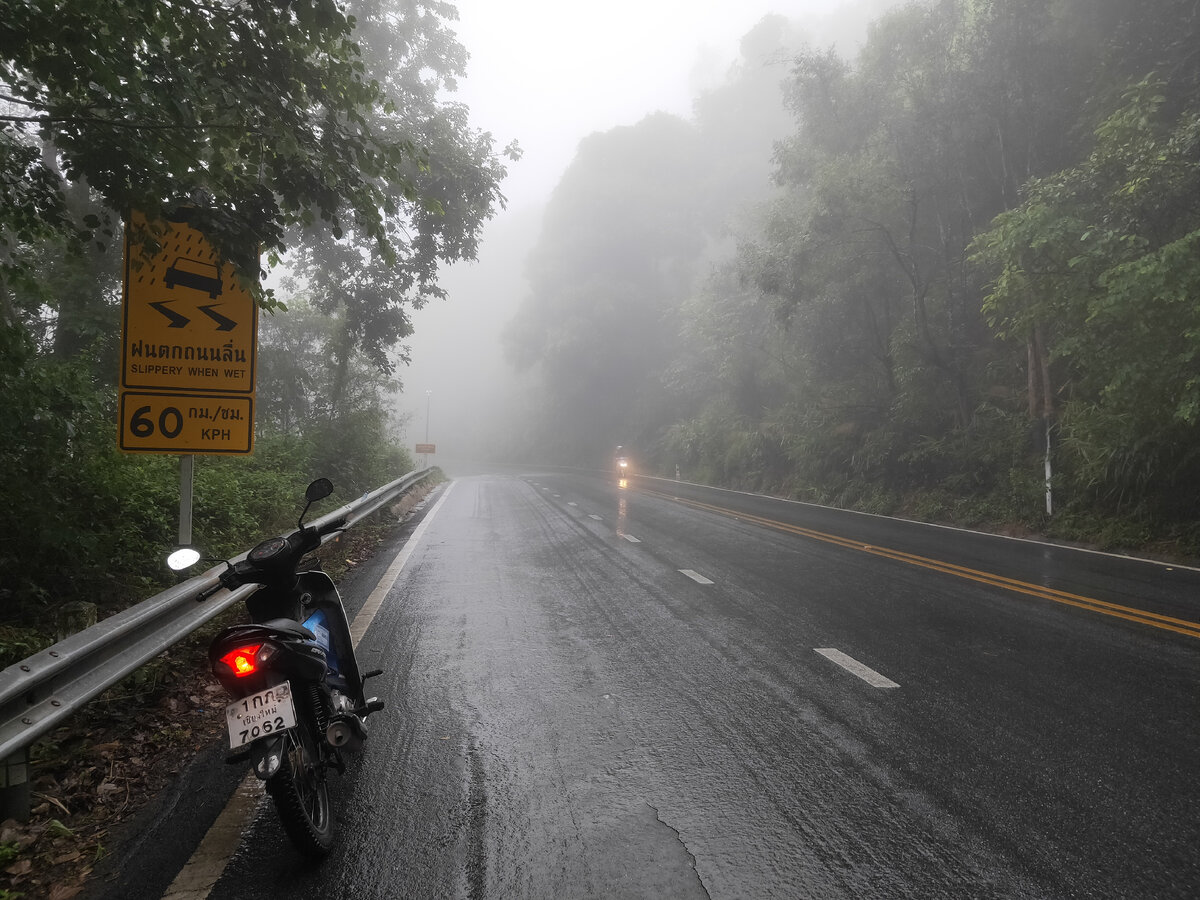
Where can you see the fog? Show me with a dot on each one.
(547, 75)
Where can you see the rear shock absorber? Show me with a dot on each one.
(320, 716)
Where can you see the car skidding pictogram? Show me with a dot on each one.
(195, 274)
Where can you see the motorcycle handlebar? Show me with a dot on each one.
(205, 594)
(330, 527)
(274, 558)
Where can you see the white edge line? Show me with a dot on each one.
(370, 609)
(196, 879)
(854, 667)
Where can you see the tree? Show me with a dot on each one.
(451, 186)
(1101, 258)
(284, 126)
(266, 108)
(896, 159)
(619, 235)
(627, 237)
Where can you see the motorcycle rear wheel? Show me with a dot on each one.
(301, 794)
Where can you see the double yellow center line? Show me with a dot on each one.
(1141, 616)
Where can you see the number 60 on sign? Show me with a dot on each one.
(184, 423)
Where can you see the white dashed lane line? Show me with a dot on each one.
(853, 666)
(690, 573)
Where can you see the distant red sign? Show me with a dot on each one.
(427, 448)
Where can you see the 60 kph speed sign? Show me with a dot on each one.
(183, 423)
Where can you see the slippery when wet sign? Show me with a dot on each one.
(189, 340)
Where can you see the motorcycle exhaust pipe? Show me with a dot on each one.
(338, 734)
(346, 731)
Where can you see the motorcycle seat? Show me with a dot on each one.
(289, 626)
(285, 627)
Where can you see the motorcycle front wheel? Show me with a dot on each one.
(301, 794)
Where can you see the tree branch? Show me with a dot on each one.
(116, 123)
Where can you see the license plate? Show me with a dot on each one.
(258, 715)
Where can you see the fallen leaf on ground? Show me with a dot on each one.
(20, 867)
(64, 891)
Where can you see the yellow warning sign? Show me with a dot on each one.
(189, 325)
(188, 343)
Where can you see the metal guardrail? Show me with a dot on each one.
(37, 693)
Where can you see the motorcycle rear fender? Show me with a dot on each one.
(266, 755)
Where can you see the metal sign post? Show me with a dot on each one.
(187, 471)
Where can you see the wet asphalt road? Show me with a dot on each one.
(571, 715)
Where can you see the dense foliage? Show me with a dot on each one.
(981, 238)
(318, 130)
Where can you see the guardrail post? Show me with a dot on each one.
(14, 787)
(73, 617)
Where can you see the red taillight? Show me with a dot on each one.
(243, 660)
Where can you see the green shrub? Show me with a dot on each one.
(83, 521)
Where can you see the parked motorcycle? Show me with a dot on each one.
(299, 699)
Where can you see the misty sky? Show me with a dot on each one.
(546, 74)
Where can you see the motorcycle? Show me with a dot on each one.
(299, 698)
(623, 470)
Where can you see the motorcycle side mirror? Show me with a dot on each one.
(318, 490)
(186, 557)
(183, 558)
